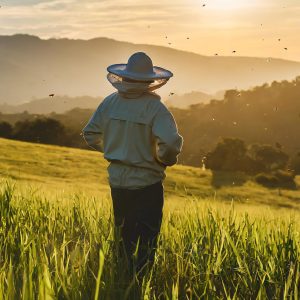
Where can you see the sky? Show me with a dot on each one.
(262, 28)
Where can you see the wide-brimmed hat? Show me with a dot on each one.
(140, 68)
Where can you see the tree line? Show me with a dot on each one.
(269, 165)
(40, 130)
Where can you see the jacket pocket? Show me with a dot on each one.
(126, 116)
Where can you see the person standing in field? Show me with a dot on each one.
(139, 137)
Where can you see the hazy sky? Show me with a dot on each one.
(251, 28)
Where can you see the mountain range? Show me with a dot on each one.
(62, 104)
(35, 68)
(47, 105)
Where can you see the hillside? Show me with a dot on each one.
(53, 169)
(57, 104)
(32, 67)
(58, 242)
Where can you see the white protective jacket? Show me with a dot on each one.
(138, 136)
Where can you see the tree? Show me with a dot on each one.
(6, 130)
(43, 130)
(229, 155)
(270, 158)
(231, 95)
(295, 164)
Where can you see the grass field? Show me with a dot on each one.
(61, 170)
(240, 241)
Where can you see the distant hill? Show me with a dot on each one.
(57, 104)
(32, 67)
(185, 100)
(62, 104)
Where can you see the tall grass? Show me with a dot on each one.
(64, 249)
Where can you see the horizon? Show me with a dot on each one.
(264, 28)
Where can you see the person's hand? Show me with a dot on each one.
(161, 163)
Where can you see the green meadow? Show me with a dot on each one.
(223, 236)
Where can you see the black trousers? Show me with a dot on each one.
(138, 216)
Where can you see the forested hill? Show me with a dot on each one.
(33, 67)
(267, 114)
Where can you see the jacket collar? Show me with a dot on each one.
(131, 89)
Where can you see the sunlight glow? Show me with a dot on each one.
(229, 4)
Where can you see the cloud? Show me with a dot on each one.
(150, 21)
(23, 2)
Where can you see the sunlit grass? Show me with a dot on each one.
(54, 169)
(64, 248)
(56, 233)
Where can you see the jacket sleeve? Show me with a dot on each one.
(93, 131)
(168, 141)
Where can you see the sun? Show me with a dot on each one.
(229, 4)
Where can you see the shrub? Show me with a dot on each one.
(295, 164)
(278, 179)
(267, 180)
(286, 179)
(5, 130)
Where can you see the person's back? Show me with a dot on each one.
(139, 137)
(133, 130)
